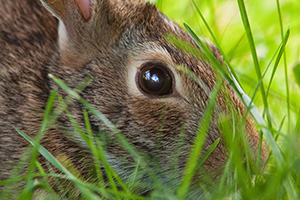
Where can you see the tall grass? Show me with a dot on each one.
(280, 177)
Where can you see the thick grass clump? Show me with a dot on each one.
(258, 49)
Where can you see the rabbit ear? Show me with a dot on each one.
(60, 8)
(82, 23)
(84, 6)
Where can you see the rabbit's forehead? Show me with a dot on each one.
(174, 27)
(143, 40)
(150, 45)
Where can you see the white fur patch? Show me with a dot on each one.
(62, 36)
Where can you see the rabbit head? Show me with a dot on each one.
(136, 84)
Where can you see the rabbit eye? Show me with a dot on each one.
(154, 79)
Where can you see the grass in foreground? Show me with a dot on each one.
(279, 180)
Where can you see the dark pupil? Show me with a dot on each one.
(155, 80)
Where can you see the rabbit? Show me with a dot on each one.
(136, 83)
(28, 35)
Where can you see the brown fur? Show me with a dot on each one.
(105, 46)
(27, 38)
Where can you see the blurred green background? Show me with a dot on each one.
(224, 18)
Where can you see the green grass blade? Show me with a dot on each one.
(234, 83)
(121, 139)
(281, 51)
(211, 58)
(111, 174)
(207, 153)
(249, 35)
(285, 69)
(214, 38)
(94, 149)
(27, 192)
(48, 187)
(242, 96)
(36, 175)
(48, 156)
(198, 143)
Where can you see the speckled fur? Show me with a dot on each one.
(27, 40)
(104, 47)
